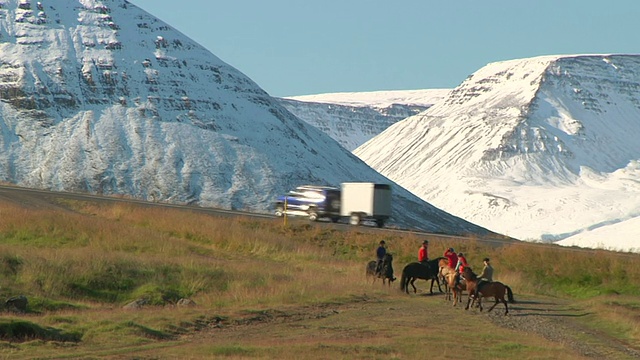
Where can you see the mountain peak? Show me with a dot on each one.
(102, 97)
(523, 143)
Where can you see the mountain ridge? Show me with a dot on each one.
(354, 118)
(102, 97)
(559, 127)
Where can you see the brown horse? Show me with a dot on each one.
(493, 289)
(386, 270)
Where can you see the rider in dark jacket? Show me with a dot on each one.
(487, 274)
(380, 253)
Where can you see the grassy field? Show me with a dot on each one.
(265, 290)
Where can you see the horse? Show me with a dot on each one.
(416, 270)
(443, 267)
(386, 271)
(450, 278)
(493, 289)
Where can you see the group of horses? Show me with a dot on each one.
(438, 270)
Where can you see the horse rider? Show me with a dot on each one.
(487, 274)
(380, 253)
(460, 266)
(451, 255)
(423, 253)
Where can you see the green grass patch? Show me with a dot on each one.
(42, 305)
(234, 350)
(20, 330)
(109, 255)
(158, 294)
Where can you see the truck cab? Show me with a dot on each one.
(312, 201)
(356, 202)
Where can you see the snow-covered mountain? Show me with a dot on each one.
(620, 235)
(354, 118)
(543, 148)
(101, 97)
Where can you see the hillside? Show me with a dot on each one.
(354, 118)
(378, 99)
(537, 149)
(350, 126)
(101, 97)
(116, 279)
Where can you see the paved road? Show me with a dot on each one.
(46, 199)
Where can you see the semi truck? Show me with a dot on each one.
(354, 202)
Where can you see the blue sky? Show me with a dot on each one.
(303, 47)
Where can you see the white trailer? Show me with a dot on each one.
(365, 201)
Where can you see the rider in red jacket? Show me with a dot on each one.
(453, 258)
(462, 263)
(423, 253)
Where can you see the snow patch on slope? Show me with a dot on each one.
(101, 97)
(378, 99)
(537, 149)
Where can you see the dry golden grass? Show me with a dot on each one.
(80, 265)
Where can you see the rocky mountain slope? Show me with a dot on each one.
(354, 118)
(539, 149)
(102, 97)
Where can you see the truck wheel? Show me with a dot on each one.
(313, 216)
(279, 211)
(354, 219)
(380, 223)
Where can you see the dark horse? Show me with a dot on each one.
(416, 270)
(493, 289)
(386, 271)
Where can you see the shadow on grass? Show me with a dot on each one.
(19, 331)
(528, 302)
(546, 309)
(547, 314)
(151, 333)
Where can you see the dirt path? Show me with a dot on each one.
(386, 325)
(556, 320)
(547, 325)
